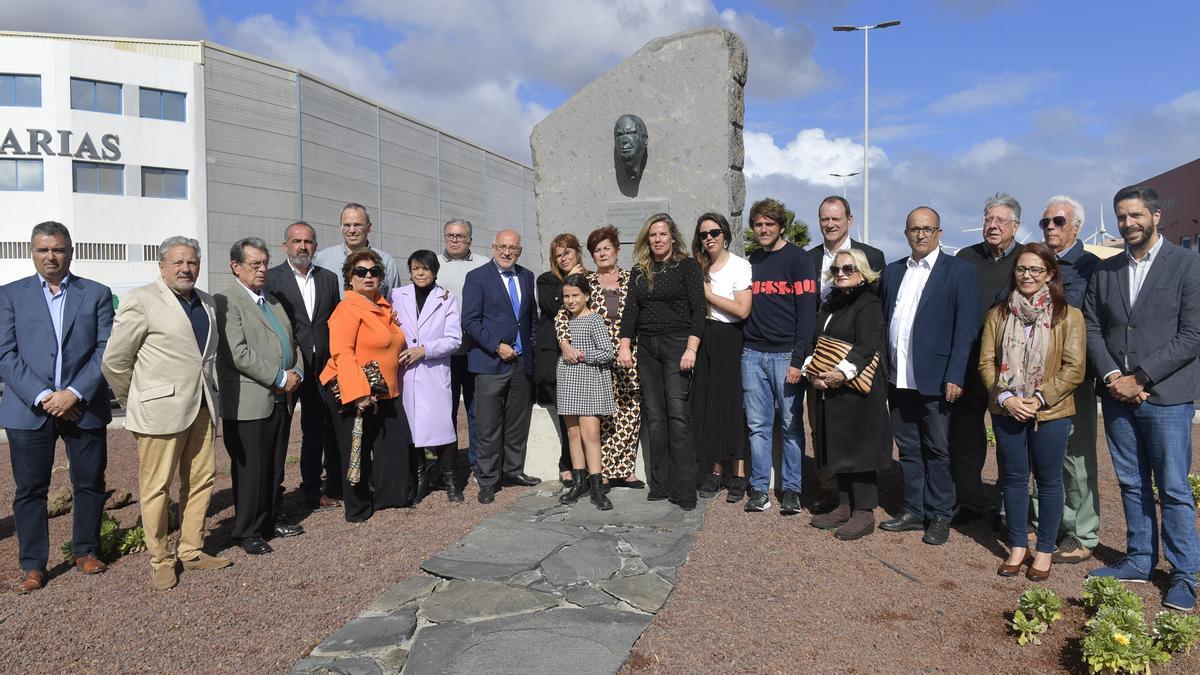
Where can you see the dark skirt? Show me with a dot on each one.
(718, 415)
(388, 460)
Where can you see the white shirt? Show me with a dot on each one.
(904, 316)
(515, 277)
(1140, 269)
(827, 258)
(308, 289)
(735, 276)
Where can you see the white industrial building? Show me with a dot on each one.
(129, 141)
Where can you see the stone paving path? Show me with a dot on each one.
(541, 588)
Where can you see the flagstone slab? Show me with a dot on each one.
(647, 592)
(588, 560)
(369, 633)
(482, 600)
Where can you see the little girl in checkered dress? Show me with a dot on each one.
(585, 390)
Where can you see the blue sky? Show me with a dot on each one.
(967, 98)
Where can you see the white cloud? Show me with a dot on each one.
(985, 153)
(999, 90)
(809, 157)
(167, 19)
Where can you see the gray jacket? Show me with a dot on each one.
(1160, 334)
(249, 359)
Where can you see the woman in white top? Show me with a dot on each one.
(716, 391)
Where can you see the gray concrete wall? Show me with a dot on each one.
(282, 146)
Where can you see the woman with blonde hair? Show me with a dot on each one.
(566, 258)
(665, 311)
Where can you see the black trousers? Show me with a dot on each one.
(388, 461)
(503, 406)
(858, 490)
(32, 454)
(462, 382)
(257, 453)
(968, 447)
(318, 445)
(667, 418)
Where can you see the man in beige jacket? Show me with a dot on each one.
(161, 364)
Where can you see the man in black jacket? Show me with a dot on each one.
(308, 294)
(836, 220)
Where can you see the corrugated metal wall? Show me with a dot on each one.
(284, 146)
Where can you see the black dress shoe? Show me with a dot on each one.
(284, 531)
(907, 522)
(487, 495)
(964, 516)
(521, 479)
(256, 546)
(938, 531)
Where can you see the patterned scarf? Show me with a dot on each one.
(1025, 341)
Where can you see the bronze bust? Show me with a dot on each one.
(629, 138)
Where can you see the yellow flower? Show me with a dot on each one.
(1121, 638)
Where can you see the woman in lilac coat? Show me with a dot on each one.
(429, 316)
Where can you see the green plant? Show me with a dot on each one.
(1194, 481)
(1041, 603)
(991, 436)
(1176, 632)
(1027, 628)
(1128, 620)
(1099, 591)
(114, 541)
(133, 541)
(1110, 649)
(794, 230)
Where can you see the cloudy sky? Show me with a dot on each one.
(968, 97)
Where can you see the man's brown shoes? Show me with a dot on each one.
(205, 561)
(32, 581)
(90, 564)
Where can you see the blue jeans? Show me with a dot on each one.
(462, 381)
(1156, 440)
(921, 427)
(763, 387)
(1019, 447)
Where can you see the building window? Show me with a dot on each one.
(96, 96)
(86, 250)
(24, 90)
(14, 250)
(165, 183)
(100, 179)
(150, 252)
(162, 105)
(21, 175)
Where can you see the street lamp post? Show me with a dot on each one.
(866, 127)
(843, 176)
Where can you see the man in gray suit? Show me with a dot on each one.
(1143, 321)
(259, 368)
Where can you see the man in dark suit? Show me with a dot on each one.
(993, 260)
(931, 309)
(308, 294)
(836, 221)
(500, 315)
(53, 388)
(1142, 310)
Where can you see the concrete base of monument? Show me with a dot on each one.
(541, 457)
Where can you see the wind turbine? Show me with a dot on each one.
(1097, 239)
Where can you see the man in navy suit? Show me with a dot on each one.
(1142, 310)
(931, 309)
(50, 362)
(500, 315)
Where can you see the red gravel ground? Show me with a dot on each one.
(762, 593)
(260, 615)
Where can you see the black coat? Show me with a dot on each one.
(545, 360)
(311, 334)
(852, 432)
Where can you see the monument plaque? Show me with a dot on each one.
(628, 217)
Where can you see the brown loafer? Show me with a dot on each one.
(1034, 574)
(1071, 552)
(32, 581)
(205, 561)
(1007, 570)
(90, 564)
(164, 578)
(322, 503)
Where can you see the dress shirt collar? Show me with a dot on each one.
(505, 272)
(256, 298)
(62, 285)
(297, 272)
(1012, 245)
(927, 262)
(844, 246)
(1072, 253)
(1150, 255)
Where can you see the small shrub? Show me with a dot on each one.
(1176, 632)
(1041, 603)
(1126, 620)
(1112, 650)
(1194, 481)
(991, 436)
(1027, 628)
(114, 541)
(133, 541)
(1099, 591)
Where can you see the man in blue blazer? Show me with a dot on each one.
(500, 314)
(1142, 310)
(50, 362)
(931, 311)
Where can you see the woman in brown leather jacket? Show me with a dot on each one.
(1031, 359)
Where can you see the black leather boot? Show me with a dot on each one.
(599, 498)
(579, 487)
(453, 492)
(422, 479)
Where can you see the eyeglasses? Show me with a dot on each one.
(997, 220)
(922, 231)
(843, 269)
(355, 226)
(1031, 271)
(257, 265)
(364, 272)
(708, 234)
(501, 248)
(456, 237)
(1058, 221)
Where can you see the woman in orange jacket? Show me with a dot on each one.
(362, 329)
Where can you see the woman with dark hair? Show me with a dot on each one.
(565, 258)
(665, 311)
(429, 316)
(716, 396)
(1031, 359)
(619, 432)
(362, 329)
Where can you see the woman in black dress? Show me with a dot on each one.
(851, 431)
(565, 258)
